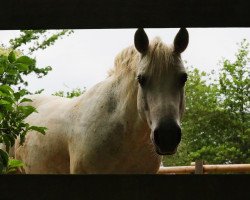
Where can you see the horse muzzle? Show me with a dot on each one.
(166, 137)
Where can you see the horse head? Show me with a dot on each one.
(161, 80)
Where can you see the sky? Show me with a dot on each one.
(83, 58)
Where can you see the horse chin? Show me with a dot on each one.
(161, 153)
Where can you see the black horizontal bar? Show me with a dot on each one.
(76, 14)
(124, 187)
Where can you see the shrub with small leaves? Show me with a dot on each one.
(14, 66)
(8, 165)
(74, 93)
(13, 69)
(12, 112)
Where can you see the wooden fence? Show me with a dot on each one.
(200, 168)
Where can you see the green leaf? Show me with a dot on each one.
(39, 129)
(22, 92)
(6, 89)
(4, 102)
(1, 70)
(26, 110)
(22, 67)
(12, 71)
(4, 158)
(6, 142)
(25, 60)
(1, 167)
(12, 57)
(25, 100)
(13, 163)
(3, 94)
(9, 98)
(19, 94)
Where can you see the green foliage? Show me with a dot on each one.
(12, 113)
(7, 164)
(74, 93)
(13, 165)
(234, 87)
(216, 125)
(38, 39)
(4, 159)
(14, 66)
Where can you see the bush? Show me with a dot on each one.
(12, 113)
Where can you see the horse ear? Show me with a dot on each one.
(141, 40)
(181, 41)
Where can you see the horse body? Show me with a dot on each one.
(88, 143)
(119, 125)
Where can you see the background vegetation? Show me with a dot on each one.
(216, 125)
(14, 66)
(70, 94)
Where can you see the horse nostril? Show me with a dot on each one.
(167, 137)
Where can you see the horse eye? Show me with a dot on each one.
(141, 79)
(183, 79)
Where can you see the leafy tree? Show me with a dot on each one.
(13, 70)
(234, 88)
(8, 165)
(32, 40)
(14, 66)
(37, 39)
(74, 93)
(12, 113)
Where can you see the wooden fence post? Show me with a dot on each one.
(199, 167)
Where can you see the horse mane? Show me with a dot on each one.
(127, 60)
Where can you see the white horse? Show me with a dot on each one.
(123, 124)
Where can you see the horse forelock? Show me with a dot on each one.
(160, 58)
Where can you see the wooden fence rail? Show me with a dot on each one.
(199, 168)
